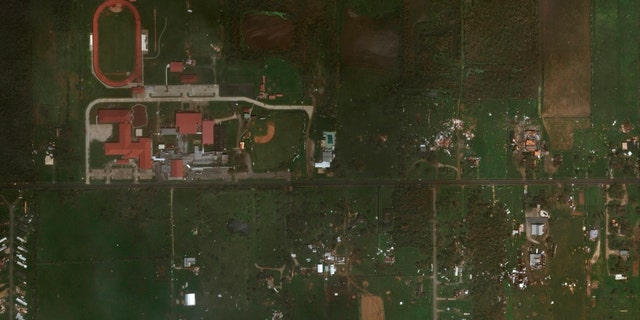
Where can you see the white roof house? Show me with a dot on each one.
(189, 261)
(537, 229)
(190, 299)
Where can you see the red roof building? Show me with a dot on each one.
(188, 122)
(207, 132)
(188, 78)
(139, 150)
(114, 115)
(176, 168)
(176, 66)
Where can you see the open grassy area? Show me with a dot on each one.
(567, 267)
(107, 264)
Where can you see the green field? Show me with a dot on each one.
(117, 43)
(100, 259)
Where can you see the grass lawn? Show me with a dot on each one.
(568, 267)
(107, 290)
(286, 144)
(98, 258)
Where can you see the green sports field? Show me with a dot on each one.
(117, 43)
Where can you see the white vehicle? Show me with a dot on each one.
(21, 257)
(21, 239)
(23, 249)
(21, 264)
(3, 240)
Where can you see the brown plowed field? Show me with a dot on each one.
(369, 43)
(264, 32)
(566, 58)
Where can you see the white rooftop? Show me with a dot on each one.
(190, 299)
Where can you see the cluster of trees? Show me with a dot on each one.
(452, 229)
(308, 221)
(488, 230)
(413, 218)
(16, 111)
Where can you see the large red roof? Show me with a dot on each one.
(176, 66)
(139, 150)
(188, 122)
(114, 115)
(207, 132)
(176, 168)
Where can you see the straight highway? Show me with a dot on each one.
(332, 182)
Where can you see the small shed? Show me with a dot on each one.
(176, 66)
(189, 261)
(190, 299)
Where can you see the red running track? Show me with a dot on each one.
(136, 74)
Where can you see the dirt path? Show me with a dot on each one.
(596, 254)
(434, 275)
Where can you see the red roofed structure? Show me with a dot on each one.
(188, 122)
(188, 78)
(176, 168)
(140, 150)
(176, 66)
(114, 115)
(207, 132)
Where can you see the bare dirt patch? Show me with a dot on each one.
(561, 131)
(369, 43)
(371, 308)
(100, 132)
(271, 130)
(566, 55)
(265, 32)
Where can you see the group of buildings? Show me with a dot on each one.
(175, 148)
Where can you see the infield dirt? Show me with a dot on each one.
(371, 308)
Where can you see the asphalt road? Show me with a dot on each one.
(333, 182)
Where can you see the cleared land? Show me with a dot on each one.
(267, 32)
(566, 56)
(369, 43)
(371, 308)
